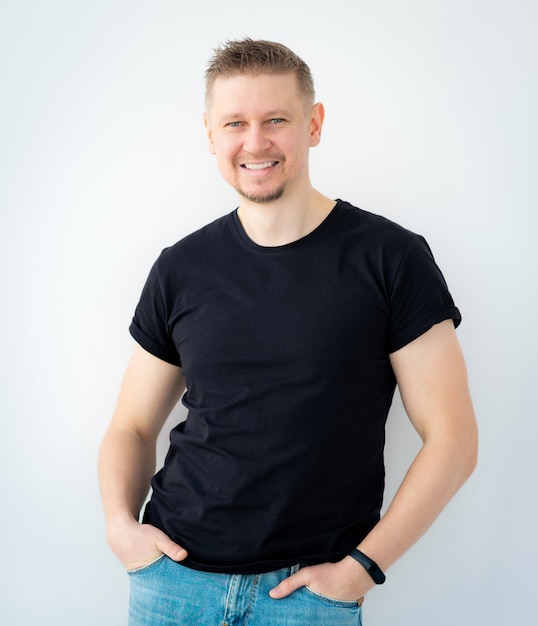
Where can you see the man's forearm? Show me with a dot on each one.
(126, 465)
(434, 477)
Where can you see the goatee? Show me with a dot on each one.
(261, 199)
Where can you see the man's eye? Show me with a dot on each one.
(277, 120)
(234, 124)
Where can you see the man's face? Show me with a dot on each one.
(260, 130)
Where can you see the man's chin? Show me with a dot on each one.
(260, 198)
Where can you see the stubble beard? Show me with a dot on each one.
(261, 198)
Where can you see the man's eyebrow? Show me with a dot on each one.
(227, 117)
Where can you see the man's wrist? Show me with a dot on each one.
(117, 525)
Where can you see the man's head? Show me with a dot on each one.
(248, 56)
(261, 119)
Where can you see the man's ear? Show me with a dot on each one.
(316, 123)
(209, 133)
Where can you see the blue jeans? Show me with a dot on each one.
(166, 593)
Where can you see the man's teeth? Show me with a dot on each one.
(259, 166)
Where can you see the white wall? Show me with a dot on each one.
(431, 121)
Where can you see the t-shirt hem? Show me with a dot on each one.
(421, 326)
(261, 567)
(151, 346)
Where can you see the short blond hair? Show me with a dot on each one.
(249, 56)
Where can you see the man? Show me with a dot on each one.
(289, 323)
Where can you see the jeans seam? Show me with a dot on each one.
(252, 599)
(231, 592)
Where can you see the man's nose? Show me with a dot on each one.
(256, 140)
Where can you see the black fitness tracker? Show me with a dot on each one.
(370, 566)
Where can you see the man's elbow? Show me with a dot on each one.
(468, 450)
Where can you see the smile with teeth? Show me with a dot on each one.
(259, 166)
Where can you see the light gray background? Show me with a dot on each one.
(431, 121)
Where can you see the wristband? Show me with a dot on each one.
(370, 566)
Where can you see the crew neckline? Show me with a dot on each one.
(245, 239)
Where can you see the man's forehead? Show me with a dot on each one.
(275, 91)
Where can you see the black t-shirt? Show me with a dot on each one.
(285, 353)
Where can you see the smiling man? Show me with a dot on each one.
(261, 129)
(284, 327)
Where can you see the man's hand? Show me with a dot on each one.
(137, 545)
(346, 580)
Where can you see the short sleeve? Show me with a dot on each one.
(150, 324)
(419, 297)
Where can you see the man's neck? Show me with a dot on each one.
(283, 221)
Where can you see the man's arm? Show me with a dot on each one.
(149, 391)
(432, 378)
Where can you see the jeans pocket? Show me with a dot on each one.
(344, 604)
(147, 567)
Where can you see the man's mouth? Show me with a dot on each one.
(259, 166)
